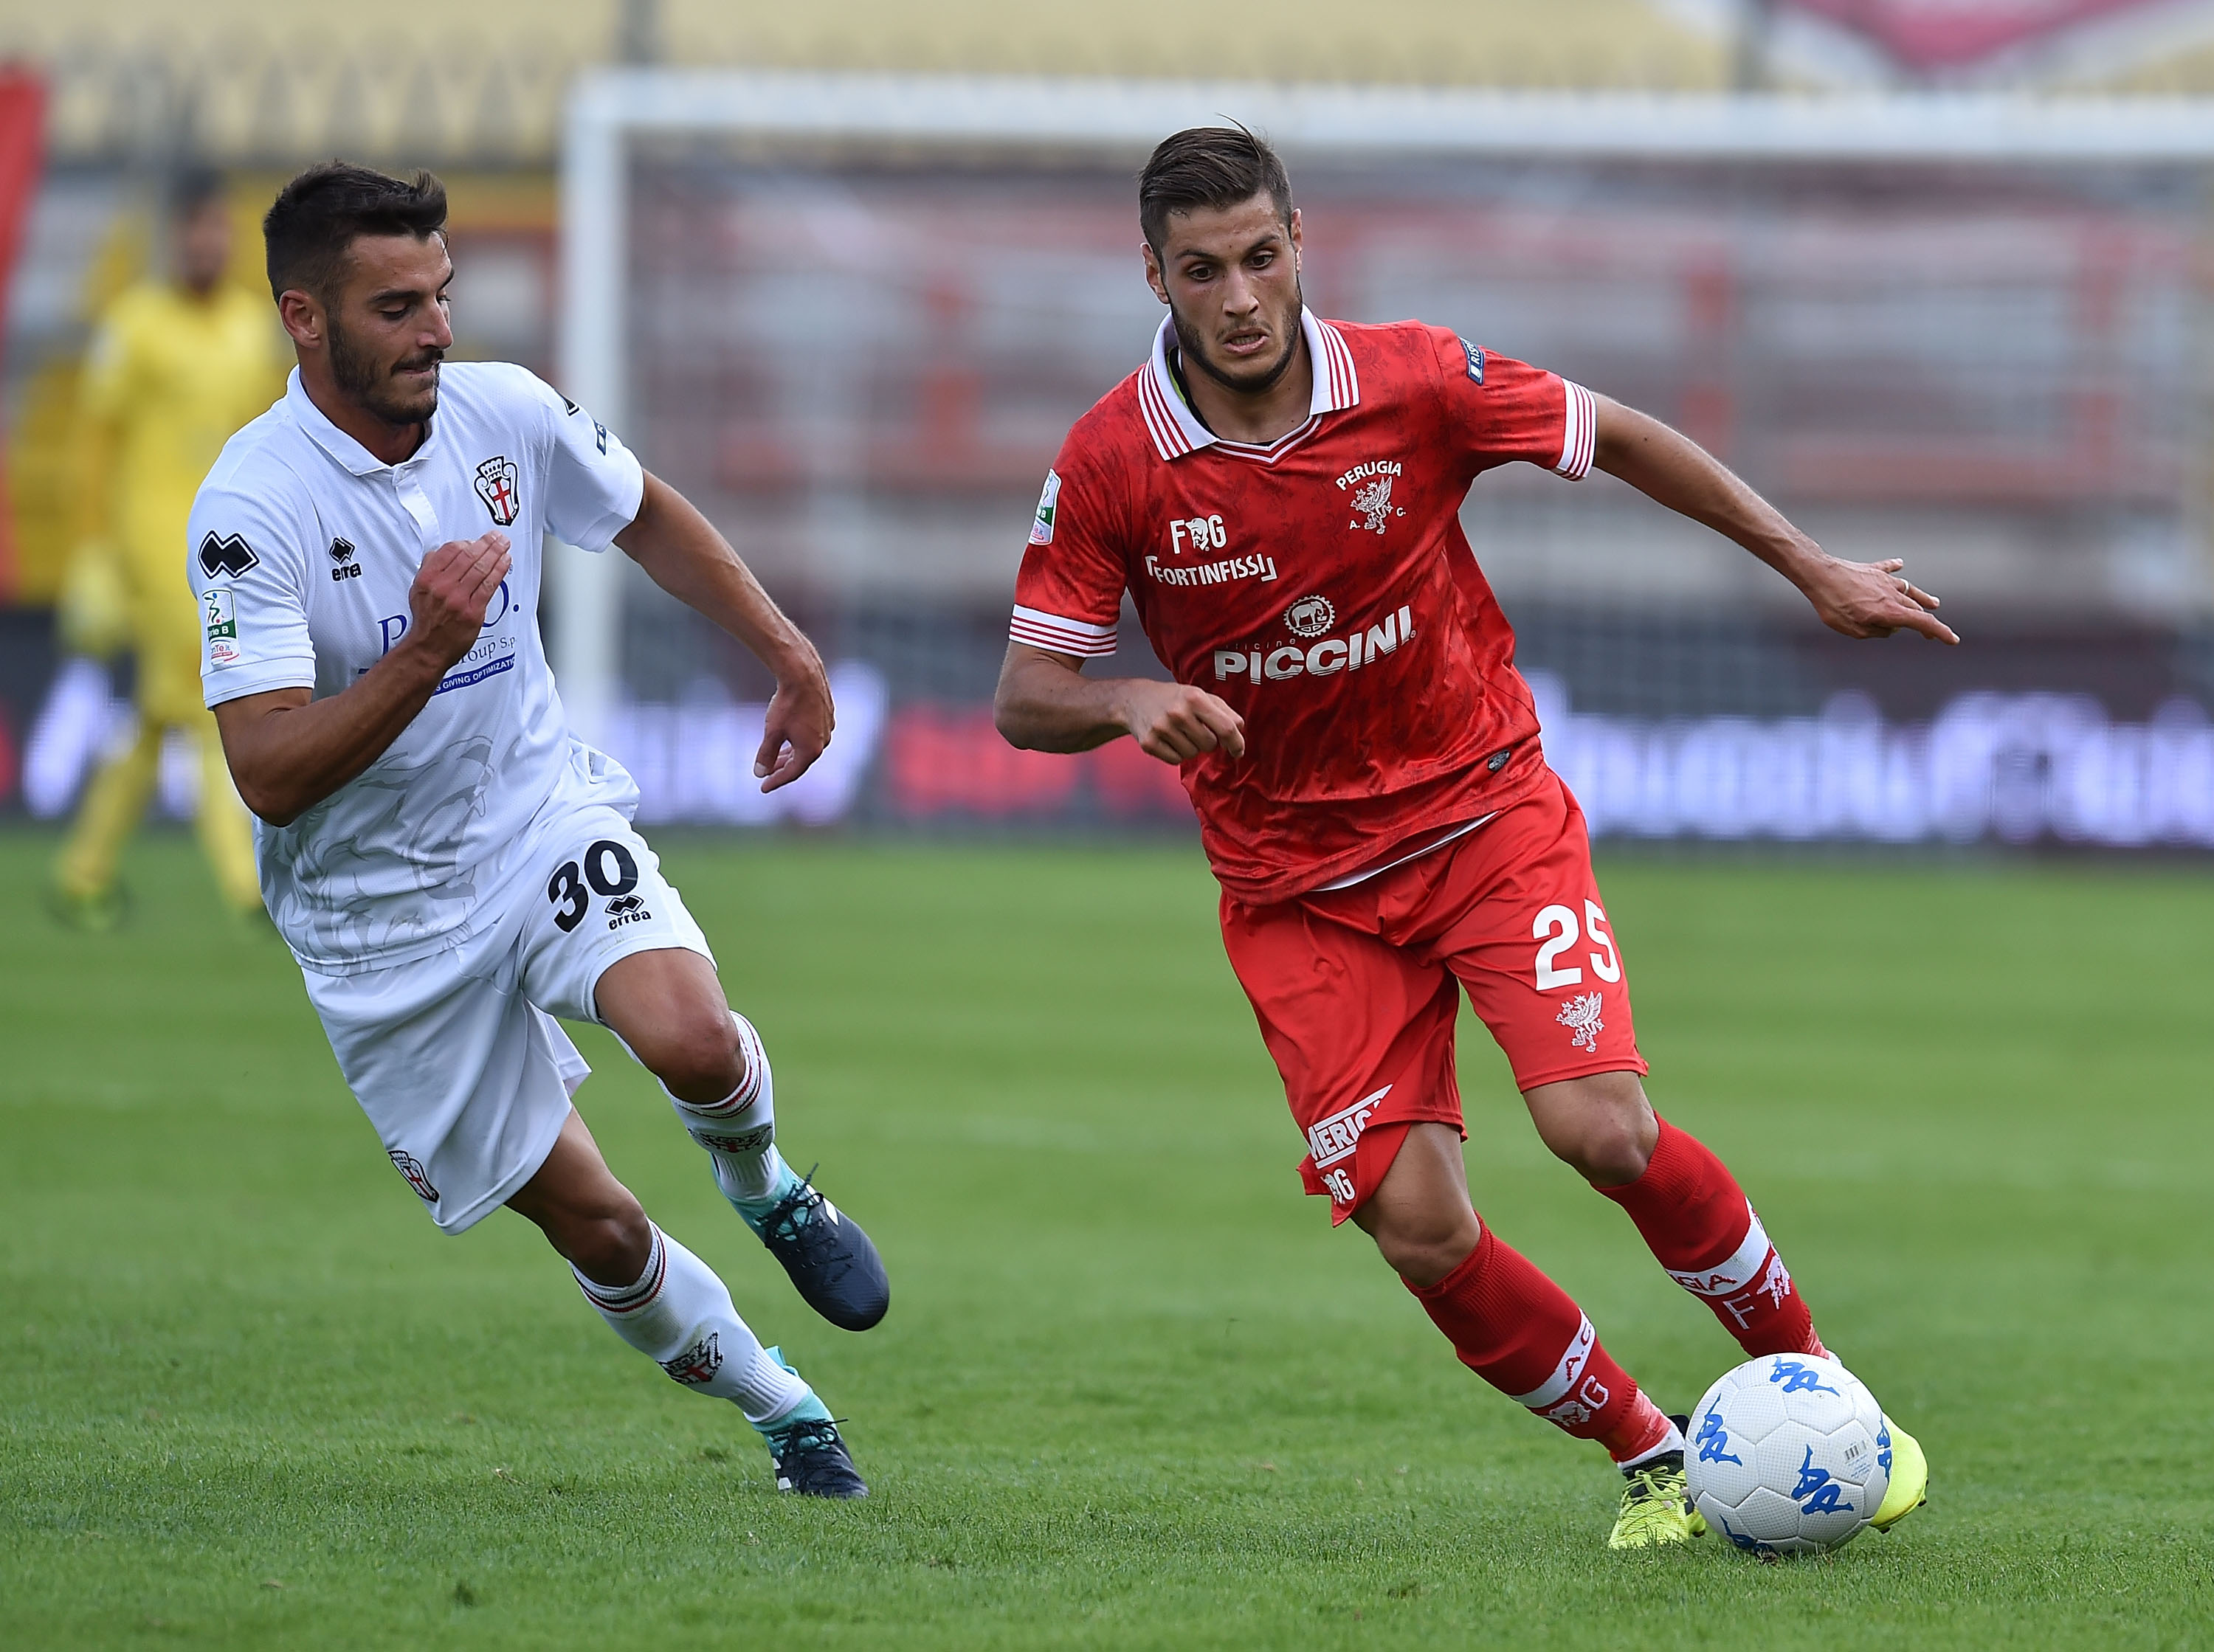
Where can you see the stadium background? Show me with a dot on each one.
(1134, 1392)
(861, 361)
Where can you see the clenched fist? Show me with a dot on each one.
(1175, 721)
(452, 590)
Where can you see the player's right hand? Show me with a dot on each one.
(452, 591)
(1177, 723)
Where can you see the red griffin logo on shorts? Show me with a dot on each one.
(495, 486)
(417, 1177)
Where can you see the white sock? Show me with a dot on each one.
(739, 1131)
(679, 1315)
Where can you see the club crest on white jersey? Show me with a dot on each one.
(496, 485)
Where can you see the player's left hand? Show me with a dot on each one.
(1872, 599)
(798, 729)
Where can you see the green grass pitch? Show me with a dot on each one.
(1133, 1392)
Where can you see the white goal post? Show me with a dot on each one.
(610, 108)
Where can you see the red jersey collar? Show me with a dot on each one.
(1176, 430)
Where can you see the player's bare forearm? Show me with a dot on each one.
(682, 553)
(1857, 599)
(289, 751)
(1046, 703)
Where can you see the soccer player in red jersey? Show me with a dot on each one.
(1281, 497)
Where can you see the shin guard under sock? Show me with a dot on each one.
(679, 1315)
(1699, 1224)
(1521, 1333)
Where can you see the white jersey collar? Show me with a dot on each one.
(335, 441)
(1176, 430)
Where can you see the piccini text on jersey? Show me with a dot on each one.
(1324, 658)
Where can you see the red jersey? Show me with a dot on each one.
(1320, 585)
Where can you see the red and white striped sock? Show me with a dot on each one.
(680, 1315)
(1523, 1334)
(1699, 1224)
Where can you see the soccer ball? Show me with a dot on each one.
(1788, 1455)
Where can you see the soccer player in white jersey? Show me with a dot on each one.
(453, 867)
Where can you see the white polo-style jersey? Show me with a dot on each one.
(303, 545)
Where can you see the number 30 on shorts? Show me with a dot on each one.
(1556, 927)
(610, 870)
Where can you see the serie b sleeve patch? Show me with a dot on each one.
(1049, 504)
(1475, 353)
(221, 619)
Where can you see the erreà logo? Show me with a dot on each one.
(1049, 504)
(228, 554)
(495, 486)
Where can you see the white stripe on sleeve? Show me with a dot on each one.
(1040, 629)
(1581, 430)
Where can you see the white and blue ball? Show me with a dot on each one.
(1788, 1455)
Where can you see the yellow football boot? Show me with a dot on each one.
(1653, 1511)
(1910, 1478)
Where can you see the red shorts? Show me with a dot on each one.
(1357, 989)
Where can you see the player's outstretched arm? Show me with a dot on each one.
(687, 558)
(1046, 703)
(1859, 599)
(288, 750)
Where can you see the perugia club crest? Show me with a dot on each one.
(1580, 1016)
(495, 480)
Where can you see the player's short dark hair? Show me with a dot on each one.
(1211, 167)
(317, 218)
(194, 188)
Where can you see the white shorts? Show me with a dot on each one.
(456, 1058)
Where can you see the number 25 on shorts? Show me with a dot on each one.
(1557, 930)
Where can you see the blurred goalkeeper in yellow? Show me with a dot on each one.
(179, 362)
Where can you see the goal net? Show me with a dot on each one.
(853, 317)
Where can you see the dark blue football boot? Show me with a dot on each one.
(832, 1264)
